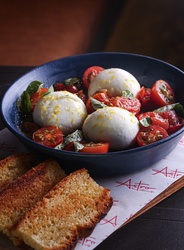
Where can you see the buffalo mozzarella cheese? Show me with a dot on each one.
(115, 80)
(62, 109)
(115, 125)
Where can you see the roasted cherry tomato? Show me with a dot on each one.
(29, 128)
(35, 97)
(99, 96)
(162, 93)
(148, 135)
(89, 74)
(69, 146)
(175, 122)
(95, 148)
(49, 136)
(59, 86)
(156, 119)
(144, 96)
(133, 105)
(70, 88)
(82, 95)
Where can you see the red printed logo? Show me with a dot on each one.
(88, 242)
(137, 186)
(181, 142)
(112, 221)
(168, 173)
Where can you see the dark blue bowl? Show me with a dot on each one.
(147, 70)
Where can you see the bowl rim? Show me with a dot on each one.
(77, 154)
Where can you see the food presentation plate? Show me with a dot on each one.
(145, 69)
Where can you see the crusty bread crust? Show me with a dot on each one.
(22, 193)
(68, 212)
(14, 166)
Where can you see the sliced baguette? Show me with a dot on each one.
(14, 166)
(25, 191)
(68, 212)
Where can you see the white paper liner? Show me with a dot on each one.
(130, 192)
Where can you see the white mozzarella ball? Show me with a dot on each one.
(115, 80)
(62, 109)
(115, 125)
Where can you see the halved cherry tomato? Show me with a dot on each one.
(89, 74)
(35, 97)
(133, 105)
(148, 135)
(175, 122)
(144, 96)
(82, 95)
(49, 136)
(95, 148)
(101, 97)
(162, 93)
(156, 119)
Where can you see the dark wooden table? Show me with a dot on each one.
(160, 228)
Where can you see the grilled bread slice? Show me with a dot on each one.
(14, 166)
(68, 212)
(25, 191)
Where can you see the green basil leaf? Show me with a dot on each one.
(127, 94)
(78, 146)
(97, 104)
(24, 103)
(50, 90)
(179, 110)
(33, 87)
(167, 107)
(71, 81)
(60, 146)
(177, 107)
(146, 122)
(73, 137)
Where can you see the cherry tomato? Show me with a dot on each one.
(89, 106)
(70, 88)
(175, 122)
(156, 119)
(89, 74)
(95, 148)
(162, 93)
(144, 96)
(35, 97)
(29, 128)
(133, 105)
(69, 146)
(148, 135)
(82, 95)
(59, 86)
(101, 97)
(49, 136)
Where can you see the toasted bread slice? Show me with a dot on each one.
(25, 191)
(14, 166)
(69, 211)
